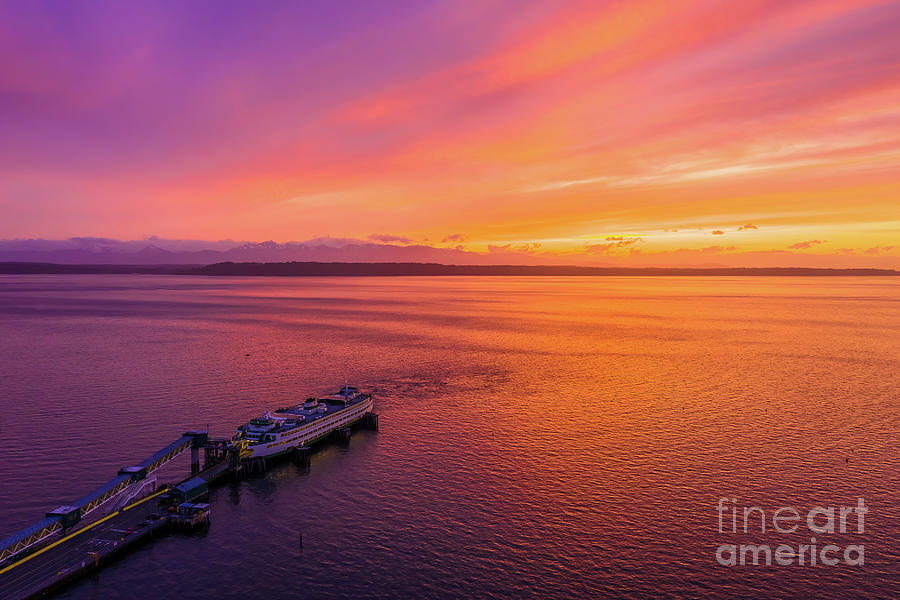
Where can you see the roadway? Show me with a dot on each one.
(59, 560)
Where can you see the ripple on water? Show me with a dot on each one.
(560, 437)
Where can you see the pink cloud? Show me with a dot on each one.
(529, 248)
(388, 238)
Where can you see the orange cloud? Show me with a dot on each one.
(807, 244)
(615, 242)
(878, 249)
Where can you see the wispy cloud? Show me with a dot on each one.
(559, 185)
(456, 237)
(613, 243)
(807, 244)
(388, 238)
(527, 248)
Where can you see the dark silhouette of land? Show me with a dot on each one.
(387, 269)
(37, 268)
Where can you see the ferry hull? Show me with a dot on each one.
(309, 434)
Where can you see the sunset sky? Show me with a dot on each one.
(755, 132)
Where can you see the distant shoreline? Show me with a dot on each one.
(393, 269)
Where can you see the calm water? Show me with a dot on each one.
(540, 437)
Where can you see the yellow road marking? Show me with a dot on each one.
(162, 491)
(80, 531)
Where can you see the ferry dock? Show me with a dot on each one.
(129, 510)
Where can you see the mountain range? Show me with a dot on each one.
(103, 251)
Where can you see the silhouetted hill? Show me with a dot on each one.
(299, 269)
(103, 251)
(36, 268)
(387, 269)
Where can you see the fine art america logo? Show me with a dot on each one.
(820, 520)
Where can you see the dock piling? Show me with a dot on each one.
(195, 460)
(301, 455)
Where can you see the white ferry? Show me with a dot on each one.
(282, 430)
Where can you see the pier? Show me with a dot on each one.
(130, 509)
(81, 552)
(129, 483)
